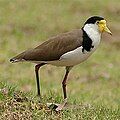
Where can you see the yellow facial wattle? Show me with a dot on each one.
(103, 27)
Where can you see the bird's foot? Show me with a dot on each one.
(61, 106)
(57, 107)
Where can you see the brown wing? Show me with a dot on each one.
(53, 48)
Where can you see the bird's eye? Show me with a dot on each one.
(97, 22)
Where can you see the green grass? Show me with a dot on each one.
(93, 86)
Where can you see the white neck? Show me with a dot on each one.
(93, 32)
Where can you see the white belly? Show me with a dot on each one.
(72, 58)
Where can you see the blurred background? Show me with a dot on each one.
(25, 24)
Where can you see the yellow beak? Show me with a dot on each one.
(106, 29)
(103, 27)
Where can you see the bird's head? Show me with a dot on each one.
(98, 23)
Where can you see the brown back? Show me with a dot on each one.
(53, 48)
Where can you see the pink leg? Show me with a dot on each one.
(60, 107)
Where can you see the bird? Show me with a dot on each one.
(66, 50)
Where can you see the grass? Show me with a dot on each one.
(93, 86)
(17, 105)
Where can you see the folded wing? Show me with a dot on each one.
(53, 48)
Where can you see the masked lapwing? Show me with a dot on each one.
(67, 49)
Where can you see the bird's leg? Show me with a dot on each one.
(60, 107)
(64, 82)
(37, 67)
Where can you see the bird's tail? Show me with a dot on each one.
(18, 58)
